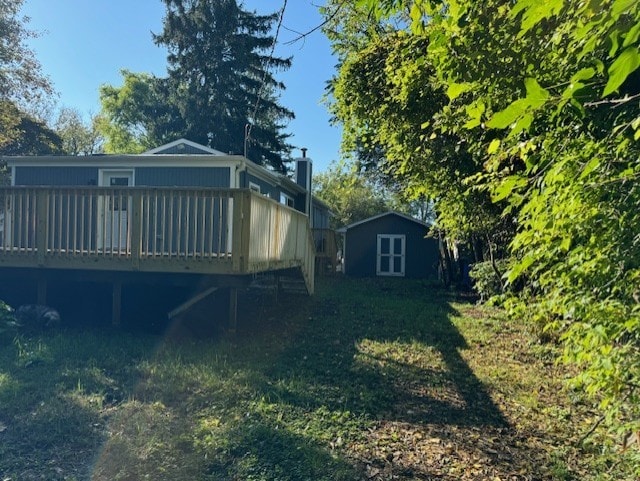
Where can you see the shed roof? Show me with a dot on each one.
(376, 217)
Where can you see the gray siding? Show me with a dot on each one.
(320, 217)
(50, 176)
(183, 177)
(145, 176)
(265, 187)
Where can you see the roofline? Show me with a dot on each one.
(102, 160)
(190, 143)
(391, 212)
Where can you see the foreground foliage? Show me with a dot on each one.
(521, 120)
(371, 380)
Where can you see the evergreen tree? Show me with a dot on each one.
(219, 80)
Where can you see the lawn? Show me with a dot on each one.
(368, 380)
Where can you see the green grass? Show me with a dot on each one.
(370, 379)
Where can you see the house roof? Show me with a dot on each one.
(375, 217)
(165, 155)
(189, 148)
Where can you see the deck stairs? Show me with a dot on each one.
(289, 283)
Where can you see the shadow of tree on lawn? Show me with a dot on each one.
(340, 362)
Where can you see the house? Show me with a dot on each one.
(181, 209)
(389, 244)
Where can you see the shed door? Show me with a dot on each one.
(113, 228)
(391, 255)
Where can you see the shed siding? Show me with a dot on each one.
(421, 254)
(52, 176)
(183, 177)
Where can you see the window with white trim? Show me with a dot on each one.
(286, 199)
(254, 187)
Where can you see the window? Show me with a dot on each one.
(254, 187)
(286, 199)
(391, 255)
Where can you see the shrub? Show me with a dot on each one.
(7, 318)
(486, 281)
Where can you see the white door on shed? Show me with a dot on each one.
(390, 260)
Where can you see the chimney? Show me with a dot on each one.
(303, 179)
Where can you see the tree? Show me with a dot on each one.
(22, 134)
(349, 195)
(388, 137)
(548, 116)
(139, 115)
(22, 86)
(219, 81)
(78, 137)
(21, 79)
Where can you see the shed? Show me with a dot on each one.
(389, 244)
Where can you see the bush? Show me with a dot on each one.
(7, 318)
(486, 281)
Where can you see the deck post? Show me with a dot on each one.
(116, 305)
(136, 229)
(42, 213)
(241, 231)
(41, 296)
(233, 310)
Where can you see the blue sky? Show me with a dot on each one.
(85, 43)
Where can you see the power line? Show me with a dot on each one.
(328, 18)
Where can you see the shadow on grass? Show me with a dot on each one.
(292, 400)
(354, 326)
(387, 352)
(257, 450)
(46, 433)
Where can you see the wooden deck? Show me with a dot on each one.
(168, 230)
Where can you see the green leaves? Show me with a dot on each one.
(560, 163)
(456, 89)
(535, 11)
(493, 146)
(627, 62)
(520, 113)
(507, 186)
(508, 116)
(536, 95)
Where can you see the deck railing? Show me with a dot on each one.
(326, 250)
(217, 231)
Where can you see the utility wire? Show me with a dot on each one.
(328, 18)
(264, 79)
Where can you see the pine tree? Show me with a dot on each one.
(219, 68)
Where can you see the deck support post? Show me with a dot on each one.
(41, 296)
(233, 310)
(42, 212)
(116, 305)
